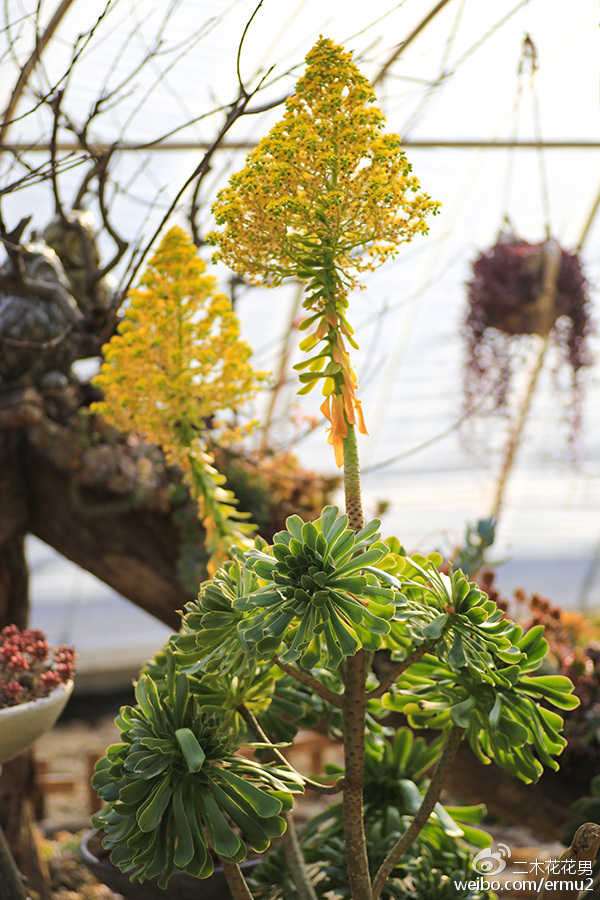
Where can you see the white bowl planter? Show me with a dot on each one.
(21, 725)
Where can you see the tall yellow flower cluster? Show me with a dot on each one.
(324, 196)
(176, 361)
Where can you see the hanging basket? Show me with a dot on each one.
(507, 298)
(509, 281)
(23, 724)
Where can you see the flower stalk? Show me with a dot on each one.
(354, 710)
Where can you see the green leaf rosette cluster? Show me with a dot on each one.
(395, 782)
(175, 793)
(453, 613)
(502, 708)
(209, 641)
(322, 598)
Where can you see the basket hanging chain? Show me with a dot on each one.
(552, 257)
(528, 66)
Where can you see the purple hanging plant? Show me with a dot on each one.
(503, 296)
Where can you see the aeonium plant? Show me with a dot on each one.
(325, 196)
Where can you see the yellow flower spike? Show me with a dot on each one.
(325, 196)
(177, 360)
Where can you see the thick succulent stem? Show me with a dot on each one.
(236, 882)
(352, 492)
(422, 816)
(354, 709)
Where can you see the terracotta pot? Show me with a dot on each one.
(181, 887)
(21, 725)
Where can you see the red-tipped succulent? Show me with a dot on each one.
(29, 668)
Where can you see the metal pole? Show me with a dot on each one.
(179, 146)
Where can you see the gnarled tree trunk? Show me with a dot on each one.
(18, 794)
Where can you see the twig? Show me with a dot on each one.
(382, 464)
(238, 57)
(398, 668)
(422, 816)
(26, 70)
(121, 245)
(291, 845)
(296, 862)
(251, 720)
(83, 41)
(591, 218)
(487, 35)
(310, 681)
(408, 41)
(55, 105)
(236, 110)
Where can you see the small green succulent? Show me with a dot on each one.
(479, 537)
(322, 598)
(468, 629)
(209, 639)
(176, 793)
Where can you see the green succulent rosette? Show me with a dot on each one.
(502, 709)
(322, 598)
(452, 613)
(209, 639)
(176, 794)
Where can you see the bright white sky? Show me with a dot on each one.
(410, 362)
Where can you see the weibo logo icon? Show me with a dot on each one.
(492, 862)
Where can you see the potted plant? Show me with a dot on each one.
(35, 683)
(199, 777)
